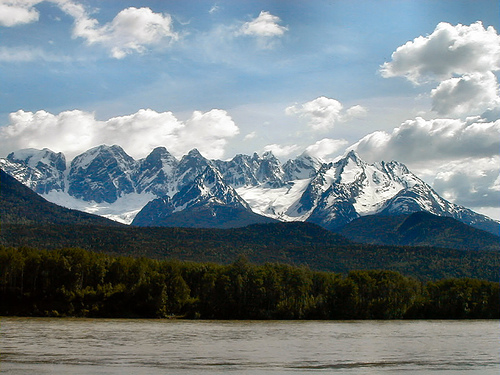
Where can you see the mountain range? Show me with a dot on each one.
(161, 190)
(441, 247)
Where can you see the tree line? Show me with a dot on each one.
(76, 282)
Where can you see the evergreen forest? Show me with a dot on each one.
(81, 283)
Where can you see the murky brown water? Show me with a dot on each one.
(85, 346)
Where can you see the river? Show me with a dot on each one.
(118, 346)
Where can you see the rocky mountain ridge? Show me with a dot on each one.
(106, 181)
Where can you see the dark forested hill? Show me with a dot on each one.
(419, 229)
(291, 243)
(20, 205)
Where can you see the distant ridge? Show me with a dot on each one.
(419, 229)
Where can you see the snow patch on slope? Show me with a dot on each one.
(277, 203)
(122, 210)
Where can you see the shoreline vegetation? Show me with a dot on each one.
(73, 282)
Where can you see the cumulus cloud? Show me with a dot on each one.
(265, 28)
(457, 155)
(133, 30)
(436, 139)
(73, 132)
(471, 94)
(281, 151)
(323, 113)
(462, 59)
(449, 50)
(250, 135)
(326, 148)
(265, 25)
(472, 181)
(208, 132)
(18, 12)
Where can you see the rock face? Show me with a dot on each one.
(41, 170)
(102, 174)
(246, 189)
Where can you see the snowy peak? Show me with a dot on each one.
(102, 174)
(41, 170)
(208, 188)
(270, 171)
(156, 171)
(159, 158)
(349, 169)
(39, 158)
(240, 171)
(302, 167)
(190, 166)
(245, 170)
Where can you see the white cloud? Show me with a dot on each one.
(27, 54)
(250, 135)
(459, 157)
(208, 132)
(132, 30)
(265, 28)
(73, 132)
(140, 132)
(471, 94)
(281, 151)
(265, 25)
(323, 113)
(437, 139)
(18, 12)
(214, 9)
(473, 182)
(326, 148)
(449, 50)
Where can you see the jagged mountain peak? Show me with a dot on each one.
(302, 167)
(103, 152)
(156, 171)
(160, 153)
(40, 170)
(194, 153)
(208, 188)
(353, 155)
(32, 157)
(268, 155)
(159, 158)
(102, 174)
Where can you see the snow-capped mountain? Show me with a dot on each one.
(102, 174)
(244, 170)
(107, 181)
(41, 170)
(208, 200)
(155, 172)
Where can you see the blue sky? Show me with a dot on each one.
(415, 81)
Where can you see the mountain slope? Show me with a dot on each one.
(20, 205)
(208, 202)
(419, 229)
